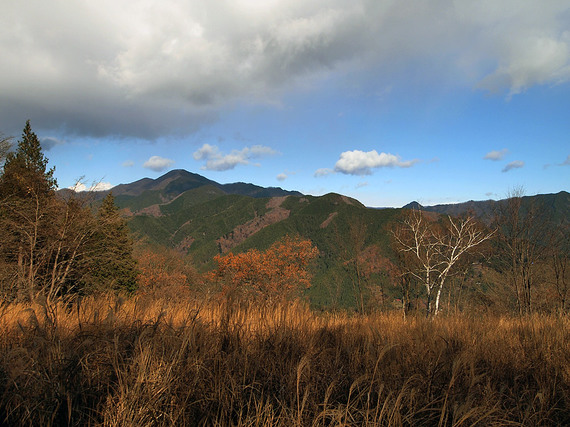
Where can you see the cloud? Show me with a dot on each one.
(517, 164)
(128, 164)
(530, 60)
(284, 175)
(49, 142)
(323, 172)
(99, 186)
(566, 162)
(496, 154)
(158, 164)
(358, 162)
(172, 67)
(361, 184)
(218, 161)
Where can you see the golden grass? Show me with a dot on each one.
(146, 362)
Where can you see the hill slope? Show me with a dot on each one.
(204, 221)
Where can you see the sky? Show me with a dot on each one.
(386, 101)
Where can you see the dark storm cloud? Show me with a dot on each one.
(147, 69)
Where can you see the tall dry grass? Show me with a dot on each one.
(147, 362)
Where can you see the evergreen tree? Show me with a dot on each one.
(27, 192)
(110, 264)
(25, 170)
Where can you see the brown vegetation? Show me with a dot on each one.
(327, 221)
(108, 361)
(278, 274)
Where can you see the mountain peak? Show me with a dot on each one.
(414, 206)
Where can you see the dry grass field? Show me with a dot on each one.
(151, 362)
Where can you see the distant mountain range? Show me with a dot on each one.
(201, 218)
(554, 206)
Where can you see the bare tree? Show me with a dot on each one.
(434, 248)
(68, 246)
(558, 261)
(522, 237)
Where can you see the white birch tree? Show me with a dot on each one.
(433, 248)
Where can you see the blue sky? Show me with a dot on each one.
(438, 101)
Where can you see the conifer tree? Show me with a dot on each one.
(27, 190)
(25, 170)
(110, 264)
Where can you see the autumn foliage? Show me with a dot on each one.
(277, 274)
(162, 272)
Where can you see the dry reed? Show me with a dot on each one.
(148, 362)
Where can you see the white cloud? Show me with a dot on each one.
(323, 172)
(158, 164)
(128, 164)
(358, 162)
(218, 161)
(566, 162)
(99, 186)
(169, 66)
(284, 175)
(517, 164)
(496, 154)
(531, 60)
(361, 185)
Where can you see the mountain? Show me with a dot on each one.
(148, 193)
(203, 222)
(555, 207)
(413, 205)
(201, 218)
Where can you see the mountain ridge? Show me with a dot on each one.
(559, 203)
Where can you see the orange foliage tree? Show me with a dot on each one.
(163, 270)
(277, 274)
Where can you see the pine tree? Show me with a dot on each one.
(25, 170)
(27, 192)
(110, 263)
